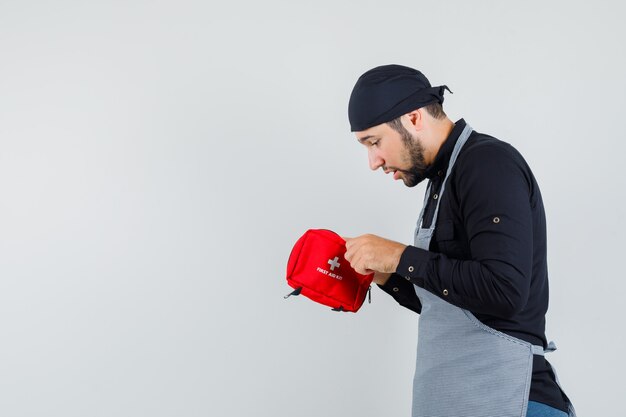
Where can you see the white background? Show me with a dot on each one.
(158, 160)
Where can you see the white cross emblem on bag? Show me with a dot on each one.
(333, 263)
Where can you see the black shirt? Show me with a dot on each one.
(488, 252)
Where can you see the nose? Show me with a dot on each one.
(375, 160)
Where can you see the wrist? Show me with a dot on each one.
(398, 255)
(381, 278)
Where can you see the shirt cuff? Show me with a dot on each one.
(413, 264)
(403, 292)
(394, 284)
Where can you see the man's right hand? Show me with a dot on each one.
(381, 278)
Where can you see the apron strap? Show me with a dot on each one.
(463, 137)
(539, 350)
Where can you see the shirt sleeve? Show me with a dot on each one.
(403, 292)
(494, 192)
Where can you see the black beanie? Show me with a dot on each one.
(387, 92)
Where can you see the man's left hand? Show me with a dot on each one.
(370, 253)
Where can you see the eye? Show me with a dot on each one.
(375, 143)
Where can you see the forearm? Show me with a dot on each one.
(490, 287)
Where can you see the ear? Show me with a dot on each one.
(416, 119)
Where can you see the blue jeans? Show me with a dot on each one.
(536, 409)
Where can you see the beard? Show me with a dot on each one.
(414, 157)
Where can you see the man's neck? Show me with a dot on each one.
(440, 132)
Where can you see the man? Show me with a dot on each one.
(477, 272)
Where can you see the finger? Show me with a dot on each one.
(361, 271)
(358, 265)
(352, 249)
(349, 256)
(352, 242)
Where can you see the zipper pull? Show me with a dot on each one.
(294, 292)
(369, 295)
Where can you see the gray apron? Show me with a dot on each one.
(463, 367)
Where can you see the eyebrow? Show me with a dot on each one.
(361, 140)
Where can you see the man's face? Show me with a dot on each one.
(399, 153)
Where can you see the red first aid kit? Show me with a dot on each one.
(318, 270)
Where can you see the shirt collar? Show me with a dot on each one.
(440, 164)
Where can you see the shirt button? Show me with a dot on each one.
(435, 196)
(396, 289)
(411, 269)
(440, 173)
(445, 292)
(496, 220)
